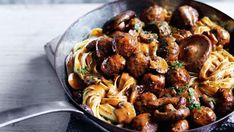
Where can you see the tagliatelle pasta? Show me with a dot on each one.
(161, 68)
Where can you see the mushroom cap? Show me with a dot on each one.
(194, 51)
(116, 23)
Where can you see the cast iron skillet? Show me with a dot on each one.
(78, 31)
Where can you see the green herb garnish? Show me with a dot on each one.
(176, 65)
(83, 70)
(137, 27)
(193, 104)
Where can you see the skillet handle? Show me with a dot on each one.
(22, 113)
(18, 114)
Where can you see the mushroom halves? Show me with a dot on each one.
(118, 23)
(194, 51)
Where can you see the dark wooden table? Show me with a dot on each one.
(26, 76)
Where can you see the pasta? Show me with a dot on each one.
(163, 68)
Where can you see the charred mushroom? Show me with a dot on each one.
(113, 65)
(118, 23)
(124, 44)
(194, 51)
(168, 49)
(138, 64)
(185, 17)
(181, 125)
(142, 122)
(203, 116)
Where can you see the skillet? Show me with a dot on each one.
(78, 31)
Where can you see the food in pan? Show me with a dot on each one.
(159, 70)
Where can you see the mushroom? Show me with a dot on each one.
(113, 65)
(174, 115)
(160, 27)
(181, 125)
(142, 122)
(153, 82)
(147, 37)
(181, 34)
(75, 81)
(168, 49)
(103, 48)
(158, 64)
(118, 23)
(138, 64)
(153, 13)
(142, 102)
(125, 112)
(207, 101)
(177, 75)
(124, 44)
(203, 116)
(225, 100)
(185, 17)
(194, 51)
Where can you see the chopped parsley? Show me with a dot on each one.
(193, 104)
(176, 65)
(83, 70)
(137, 27)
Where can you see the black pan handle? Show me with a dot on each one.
(19, 114)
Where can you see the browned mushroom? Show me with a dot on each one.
(181, 34)
(181, 125)
(75, 81)
(168, 49)
(225, 100)
(142, 122)
(118, 23)
(153, 13)
(160, 27)
(153, 82)
(158, 64)
(164, 101)
(125, 112)
(147, 37)
(137, 64)
(222, 35)
(124, 44)
(203, 116)
(207, 101)
(185, 17)
(177, 76)
(102, 46)
(113, 65)
(175, 115)
(194, 51)
(142, 102)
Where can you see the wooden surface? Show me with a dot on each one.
(25, 74)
